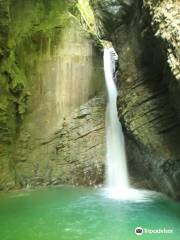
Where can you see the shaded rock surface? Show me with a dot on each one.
(73, 155)
(146, 38)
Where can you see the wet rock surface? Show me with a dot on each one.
(75, 154)
(146, 38)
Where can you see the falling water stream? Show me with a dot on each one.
(116, 166)
(117, 176)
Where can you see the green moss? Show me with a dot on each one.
(27, 28)
(30, 30)
(87, 15)
(33, 16)
(33, 24)
(87, 19)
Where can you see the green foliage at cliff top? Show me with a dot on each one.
(87, 15)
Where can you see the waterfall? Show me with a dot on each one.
(116, 167)
(116, 170)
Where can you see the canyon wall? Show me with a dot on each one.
(74, 154)
(146, 35)
(51, 66)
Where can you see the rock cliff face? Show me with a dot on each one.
(146, 38)
(50, 66)
(74, 154)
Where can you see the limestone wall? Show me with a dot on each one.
(65, 77)
(49, 67)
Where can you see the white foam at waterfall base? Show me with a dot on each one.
(131, 194)
(116, 166)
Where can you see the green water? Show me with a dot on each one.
(66, 213)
